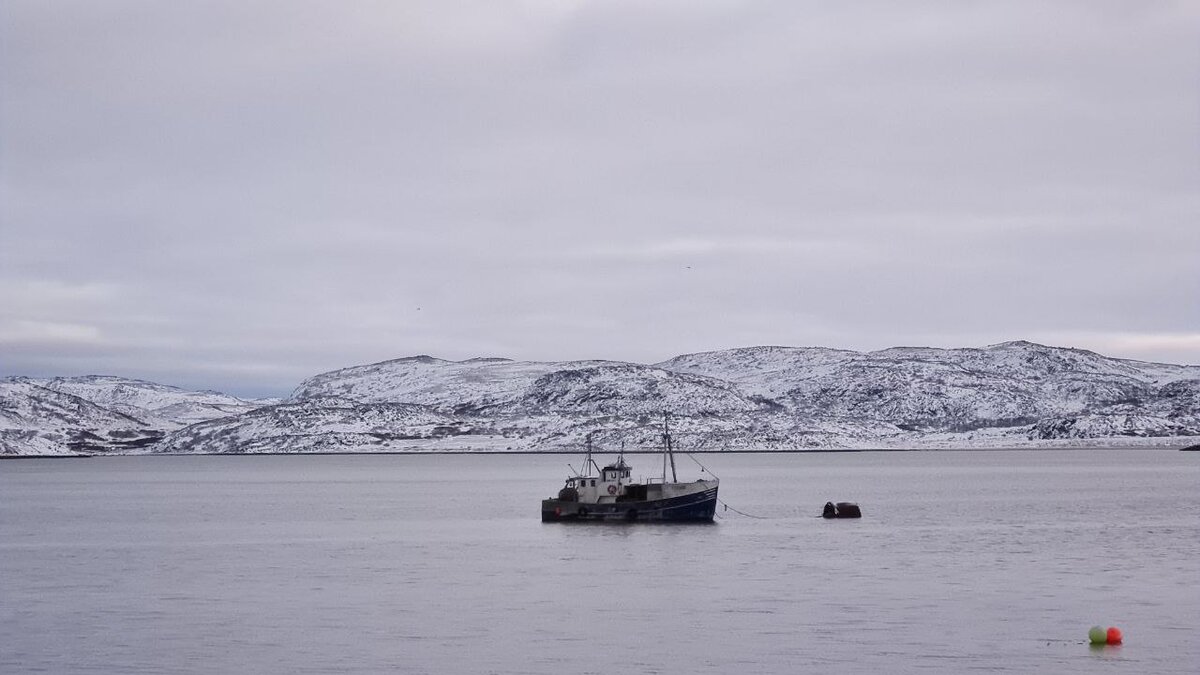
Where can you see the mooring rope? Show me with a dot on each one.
(719, 501)
(748, 515)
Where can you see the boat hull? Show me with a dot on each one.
(697, 507)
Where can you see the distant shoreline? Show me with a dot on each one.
(610, 452)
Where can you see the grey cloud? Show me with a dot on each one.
(270, 189)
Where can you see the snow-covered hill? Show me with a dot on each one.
(781, 398)
(69, 415)
(37, 420)
(959, 390)
(1010, 394)
(165, 406)
(476, 384)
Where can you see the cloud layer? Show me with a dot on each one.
(238, 195)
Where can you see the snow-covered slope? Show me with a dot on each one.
(764, 371)
(169, 406)
(629, 389)
(926, 389)
(319, 424)
(68, 415)
(475, 384)
(37, 420)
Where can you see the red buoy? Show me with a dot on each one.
(1114, 635)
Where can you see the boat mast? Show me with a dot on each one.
(587, 460)
(668, 450)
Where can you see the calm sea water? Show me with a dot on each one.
(963, 561)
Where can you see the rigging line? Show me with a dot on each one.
(702, 467)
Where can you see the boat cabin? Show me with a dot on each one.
(606, 487)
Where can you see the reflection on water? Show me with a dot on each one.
(996, 561)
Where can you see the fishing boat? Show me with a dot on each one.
(611, 494)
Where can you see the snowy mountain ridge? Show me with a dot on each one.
(778, 398)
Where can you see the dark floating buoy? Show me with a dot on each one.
(841, 510)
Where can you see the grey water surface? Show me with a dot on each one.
(986, 561)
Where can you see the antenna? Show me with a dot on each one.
(669, 451)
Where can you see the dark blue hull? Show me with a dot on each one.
(694, 508)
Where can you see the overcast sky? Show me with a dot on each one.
(237, 195)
